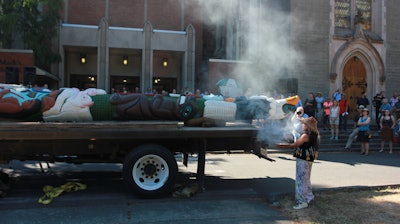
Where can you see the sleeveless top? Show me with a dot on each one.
(309, 150)
(387, 122)
(334, 111)
(364, 127)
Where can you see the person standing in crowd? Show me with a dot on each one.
(337, 95)
(148, 91)
(377, 102)
(310, 105)
(396, 109)
(353, 135)
(320, 101)
(306, 151)
(198, 93)
(344, 108)
(394, 99)
(396, 131)
(45, 88)
(164, 92)
(187, 91)
(327, 112)
(334, 120)
(387, 123)
(385, 106)
(363, 132)
(363, 100)
(297, 129)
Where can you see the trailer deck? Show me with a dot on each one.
(145, 148)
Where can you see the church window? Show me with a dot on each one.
(350, 12)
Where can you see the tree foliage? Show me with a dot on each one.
(36, 22)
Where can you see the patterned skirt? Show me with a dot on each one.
(303, 188)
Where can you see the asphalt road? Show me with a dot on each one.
(239, 188)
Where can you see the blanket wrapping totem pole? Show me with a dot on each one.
(74, 105)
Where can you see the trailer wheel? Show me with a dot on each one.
(150, 171)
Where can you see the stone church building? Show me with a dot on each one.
(319, 46)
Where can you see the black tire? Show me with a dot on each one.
(150, 171)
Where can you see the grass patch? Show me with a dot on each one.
(356, 205)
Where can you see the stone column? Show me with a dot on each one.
(103, 78)
(147, 62)
(189, 71)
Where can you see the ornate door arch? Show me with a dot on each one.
(354, 82)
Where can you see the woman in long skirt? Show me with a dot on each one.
(306, 151)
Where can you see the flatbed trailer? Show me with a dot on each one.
(145, 148)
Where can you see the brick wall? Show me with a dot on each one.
(15, 59)
(87, 12)
(165, 15)
(126, 13)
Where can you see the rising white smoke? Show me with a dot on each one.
(262, 30)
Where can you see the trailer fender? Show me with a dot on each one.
(150, 170)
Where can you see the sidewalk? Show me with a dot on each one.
(328, 145)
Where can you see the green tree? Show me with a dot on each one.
(36, 22)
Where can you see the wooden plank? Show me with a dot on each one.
(118, 130)
(92, 125)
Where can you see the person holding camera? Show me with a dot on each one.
(297, 128)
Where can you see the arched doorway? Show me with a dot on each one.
(354, 82)
(359, 67)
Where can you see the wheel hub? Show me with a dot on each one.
(150, 170)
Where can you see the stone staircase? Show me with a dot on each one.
(338, 145)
